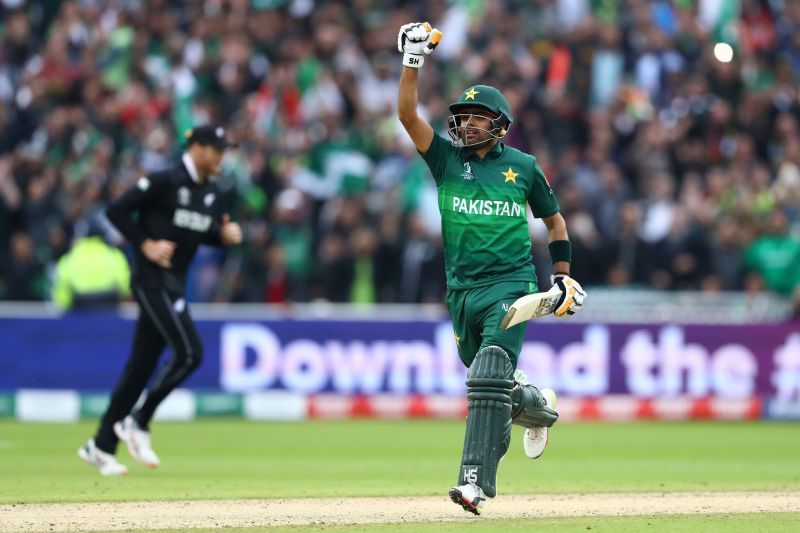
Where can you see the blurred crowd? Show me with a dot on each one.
(675, 168)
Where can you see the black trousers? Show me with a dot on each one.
(164, 320)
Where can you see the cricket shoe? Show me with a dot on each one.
(535, 439)
(104, 462)
(137, 440)
(469, 496)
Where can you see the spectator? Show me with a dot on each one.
(23, 273)
(334, 270)
(726, 255)
(418, 260)
(623, 103)
(775, 255)
(91, 276)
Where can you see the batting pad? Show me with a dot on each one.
(529, 409)
(489, 384)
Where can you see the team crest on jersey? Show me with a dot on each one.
(184, 196)
(209, 199)
(467, 174)
(510, 175)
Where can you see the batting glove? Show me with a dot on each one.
(414, 40)
(572, 295)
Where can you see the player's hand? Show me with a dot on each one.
(414, 40)
(572, 295)
(230, 232)
(159, 252)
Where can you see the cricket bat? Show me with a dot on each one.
(531, 306)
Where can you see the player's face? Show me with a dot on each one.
(213, 157)
(475, 126)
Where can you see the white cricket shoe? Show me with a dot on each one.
(469, 496)
(104, 462)
(137, 440)
(535, 439)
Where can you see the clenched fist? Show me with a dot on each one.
(230, 232)
(414, 40)
(158, 251)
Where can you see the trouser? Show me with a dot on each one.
(476, 314)
(491, 353)
(164, 320)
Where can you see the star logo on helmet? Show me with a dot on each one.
(470, 95)
(510, 175)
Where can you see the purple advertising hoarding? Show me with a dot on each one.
(417, 357)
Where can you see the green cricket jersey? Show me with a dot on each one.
(482, 201)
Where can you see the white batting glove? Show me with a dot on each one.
(572, 295)
(414, 40)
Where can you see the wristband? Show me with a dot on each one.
(413, 60)
(560, 251)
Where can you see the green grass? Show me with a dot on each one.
(223, 459)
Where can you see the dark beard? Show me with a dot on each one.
(477, 146)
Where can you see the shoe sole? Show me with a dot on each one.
(458, 498)
(121, 436)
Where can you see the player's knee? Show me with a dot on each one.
(197, 356)
(190, 356)
(492, 362)
(490, 376)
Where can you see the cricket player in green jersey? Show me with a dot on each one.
(484, 187)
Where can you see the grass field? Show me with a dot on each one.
(227, 459)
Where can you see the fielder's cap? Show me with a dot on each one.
(213, 135)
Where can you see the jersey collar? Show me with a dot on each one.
(190, 168)
(494, 153)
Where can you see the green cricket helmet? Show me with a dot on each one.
(484, 97)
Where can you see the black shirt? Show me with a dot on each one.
(167, 205)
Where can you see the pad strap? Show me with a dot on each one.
(529, 408)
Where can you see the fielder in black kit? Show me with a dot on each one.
(166, 216)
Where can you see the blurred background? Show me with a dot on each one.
(667, 128)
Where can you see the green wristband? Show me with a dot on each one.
(560, 251)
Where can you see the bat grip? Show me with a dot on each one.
(436, 36)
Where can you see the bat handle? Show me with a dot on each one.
(436, 36)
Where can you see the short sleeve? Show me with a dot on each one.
(437, 156)
(541, 197)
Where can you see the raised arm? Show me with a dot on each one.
(414, 40)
